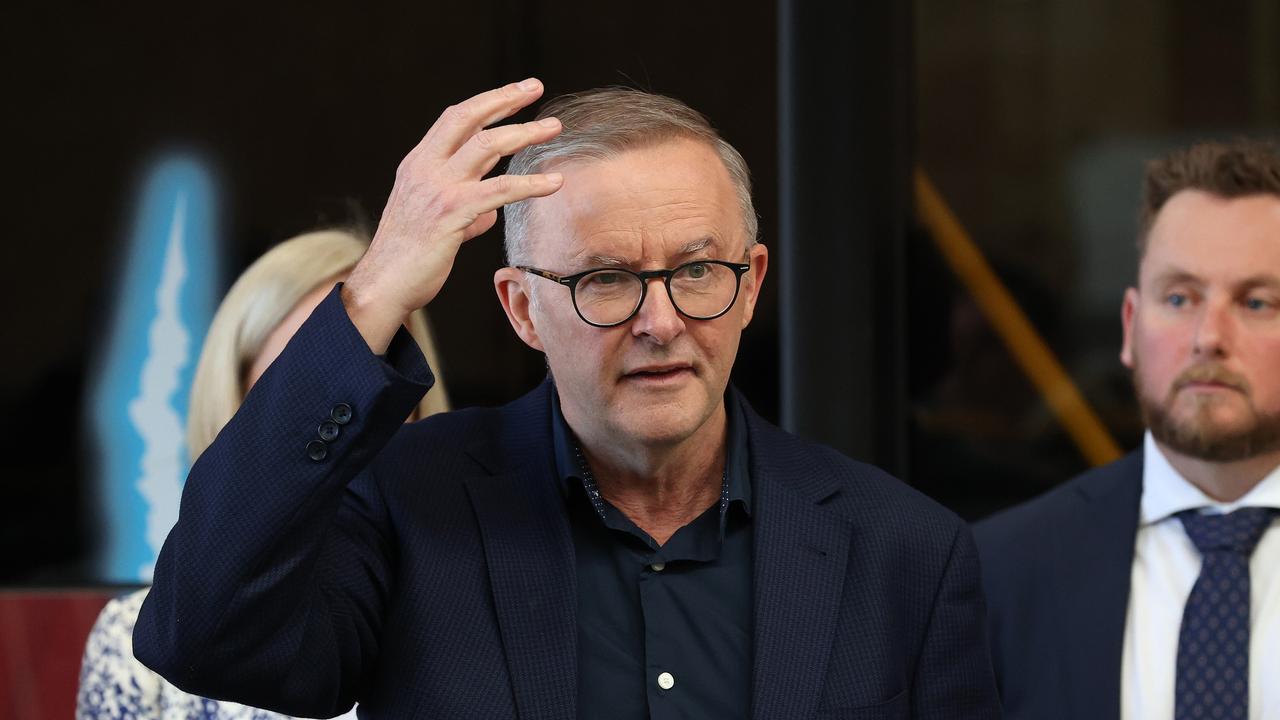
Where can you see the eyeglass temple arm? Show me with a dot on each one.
(543, 273)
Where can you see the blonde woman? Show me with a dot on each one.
(260, 313)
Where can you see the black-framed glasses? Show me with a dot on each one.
(605, 297)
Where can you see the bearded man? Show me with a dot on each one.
(1150, 588)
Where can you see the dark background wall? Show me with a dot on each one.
(1032, 118)
(1035, 119)
(303, 111)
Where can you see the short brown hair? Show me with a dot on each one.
(1232, 169)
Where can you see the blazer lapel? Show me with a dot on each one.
(529, 553)
(1095, 557)
(801, 554)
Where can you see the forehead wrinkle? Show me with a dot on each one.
(594, 257)
(649, 225)
(605, 240)
(589, 258)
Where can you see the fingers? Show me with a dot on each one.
(481, 225)
(505, 189)
(473, 210)
(484, 198)
(459, 122)
(481, 153)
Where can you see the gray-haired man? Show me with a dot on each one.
(628, 540)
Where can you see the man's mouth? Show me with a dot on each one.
(1210, 378)
(660, 373)
(1208, 383)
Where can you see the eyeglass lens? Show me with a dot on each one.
(699, 290)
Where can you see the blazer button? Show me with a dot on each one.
(341, 413)
(328, 431)
(317, 450)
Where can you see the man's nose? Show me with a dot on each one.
(657, 316)
(1213, 328)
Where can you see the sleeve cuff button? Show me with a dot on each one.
(341, 413)
(328, 431)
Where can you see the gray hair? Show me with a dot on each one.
(601, 125)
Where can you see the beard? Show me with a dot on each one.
(1199, 435)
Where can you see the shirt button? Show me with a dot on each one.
(659, 567)
(666, 681)
(317, 451)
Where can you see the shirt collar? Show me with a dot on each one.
(564, 443)
(1165, 492)
(738, 463)
(737, 480)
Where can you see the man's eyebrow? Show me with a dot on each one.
(614, 261)
(606, 261)
(696, 246)
(1173, 276)
(1265, 281)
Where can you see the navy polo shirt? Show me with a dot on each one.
(663, 631)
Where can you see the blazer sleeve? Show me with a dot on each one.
(954, 678)
(271, 587)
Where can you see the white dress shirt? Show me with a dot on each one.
(1165, 567)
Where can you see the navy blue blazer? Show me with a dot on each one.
(1056, 572)
(427, 570)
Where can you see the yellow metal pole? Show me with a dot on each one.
(1011, 324)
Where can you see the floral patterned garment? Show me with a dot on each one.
(115, 685)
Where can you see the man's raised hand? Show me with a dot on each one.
(440, 200)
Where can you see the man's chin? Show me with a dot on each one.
(1212, 439)
(659, 429)
(662, 422)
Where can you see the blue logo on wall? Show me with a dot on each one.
(167, 293)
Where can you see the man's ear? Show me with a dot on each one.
(758, 257)
(1127, 312)
(514, 296)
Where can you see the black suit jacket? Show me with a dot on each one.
(1056, 572)
(428, 570)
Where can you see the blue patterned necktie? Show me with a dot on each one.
(1213, 646)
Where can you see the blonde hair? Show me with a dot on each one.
(255, 305)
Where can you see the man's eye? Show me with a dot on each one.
(606, 278)
(1176, 299)
(699, 270)
(1256, 303)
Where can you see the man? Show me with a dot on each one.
(628, 540)
(1150, 588)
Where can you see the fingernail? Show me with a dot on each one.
(549, 122)
(555, 178)
(529, 85)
